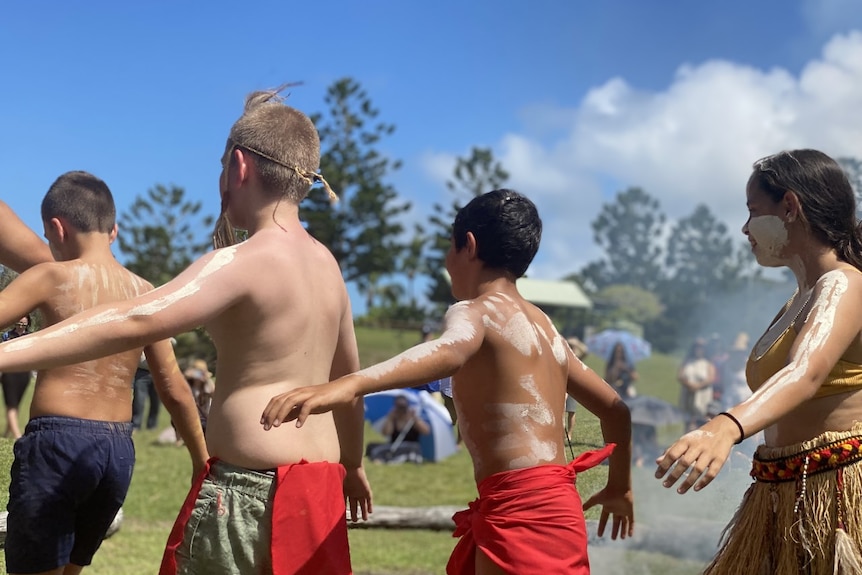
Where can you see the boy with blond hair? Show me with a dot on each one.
(277, 309)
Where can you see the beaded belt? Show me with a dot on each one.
(817, 460)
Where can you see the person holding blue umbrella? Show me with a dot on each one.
(620, 371)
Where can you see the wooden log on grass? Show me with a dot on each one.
(436, 518)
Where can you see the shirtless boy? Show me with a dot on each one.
(510, 372)
(74, 463)
(277, 309)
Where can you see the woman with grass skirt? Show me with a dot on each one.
(803, 511)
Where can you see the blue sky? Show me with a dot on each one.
(577, 99)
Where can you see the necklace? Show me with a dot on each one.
(761, 348)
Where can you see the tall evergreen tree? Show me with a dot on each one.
(162, 233)
(703, 264)
(853, 168)
(629, 231)
(473, 176)
(362, 230)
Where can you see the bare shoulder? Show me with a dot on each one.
(841, 279)
(833, 285)
(465, 312)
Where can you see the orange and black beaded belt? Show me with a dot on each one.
(827, 457)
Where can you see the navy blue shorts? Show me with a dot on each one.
(69, 478)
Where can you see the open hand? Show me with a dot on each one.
(703, 450)
(357, 491)
(301, 402)
(621, 506)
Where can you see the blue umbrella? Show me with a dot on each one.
(603, 342)
(440, 443)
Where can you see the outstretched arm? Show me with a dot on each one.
(20, 247)
(350, 422)
(616, 499)
(462, 336)
(175, 393)
(205, 289)
(833, 323)
(28, 291)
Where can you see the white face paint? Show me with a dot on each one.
(458, 327)
(770, 236)
(834, 285)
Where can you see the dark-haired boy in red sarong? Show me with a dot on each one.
(510, 372)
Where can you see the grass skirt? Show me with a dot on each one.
(810, 523)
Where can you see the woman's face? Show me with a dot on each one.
(766, 228)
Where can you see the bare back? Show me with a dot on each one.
(282, 333)
(100, 389)
(510, 395)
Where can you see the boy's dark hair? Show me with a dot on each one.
(82, 200)
(506, 226)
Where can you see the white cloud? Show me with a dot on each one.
(692, 143)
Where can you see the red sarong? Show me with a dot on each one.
(527, 521)
(309, 525)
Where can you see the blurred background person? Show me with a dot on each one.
(15, 383)
(580, 350)
(696, 375)
(202, 384)
(143, 388)
(620, 371)
(403, 427)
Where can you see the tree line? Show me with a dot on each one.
(676, 280)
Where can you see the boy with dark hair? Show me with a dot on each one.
(510, 372)
(73, 465)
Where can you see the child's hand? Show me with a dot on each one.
(299, 403)
(618, 504)
(357, 491)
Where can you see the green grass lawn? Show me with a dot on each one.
(162, 476)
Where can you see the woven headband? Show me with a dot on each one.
(308, 176)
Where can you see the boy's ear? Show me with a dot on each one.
(242, 167)
(59, 228)
(472, 246)
(113, 234)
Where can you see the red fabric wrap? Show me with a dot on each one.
(309, 525)
(527, 521)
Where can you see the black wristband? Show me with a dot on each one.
(738, 425)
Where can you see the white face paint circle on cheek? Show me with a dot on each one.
(770, 236)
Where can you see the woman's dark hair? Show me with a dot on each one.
(507, 229)
(613, 352)
(825, 194)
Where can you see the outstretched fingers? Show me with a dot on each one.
(701, 467)
(285, 407)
